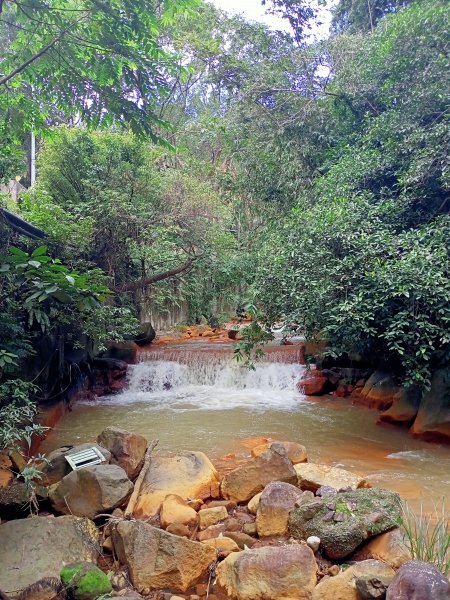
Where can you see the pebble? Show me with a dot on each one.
(313, 542)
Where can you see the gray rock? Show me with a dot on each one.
(372, 587)
(90, 491)
(15, 499)
(417, 580)
(36, 548)
(58, 467)
(360, 514)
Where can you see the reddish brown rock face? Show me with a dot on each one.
(313, 384)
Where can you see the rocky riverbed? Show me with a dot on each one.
(146, 523)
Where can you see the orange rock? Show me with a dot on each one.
(313, 384)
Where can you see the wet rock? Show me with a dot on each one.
(158, 560)
(246, 481)
(390, 547)
(314, 383)
(146, 334)
(91, 491)
(404, 407)
(276, 502)
(211, 516)
(188, 475)
(296, 452)
(268, 572)
(366, 513)
(343, 586)
(175, 510)
(31, 549)
(85, 581)
(433, 419)
(58, 467)
(379, 391)
(417, 580)
(127, 449)
(252, 506)
(312, 476)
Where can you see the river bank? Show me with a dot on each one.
(170, 526)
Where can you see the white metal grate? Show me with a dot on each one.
(85, 458)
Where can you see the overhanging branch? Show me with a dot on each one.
(145, 281)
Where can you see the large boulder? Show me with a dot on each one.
(314, 383)
(343, 585)
(158, 560)
(417, 580)
(146, 334)
(127, 449)
(390, 547)
(344, 521)
(246, 481)
(276, 502)
(90, 491)
(31, 549)
(269, 572)
(56, 466)
(379, 391)
(404, 407)
(433, 419)
(188, 475)
(312, 476)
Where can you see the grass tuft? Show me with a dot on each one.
(428, 535)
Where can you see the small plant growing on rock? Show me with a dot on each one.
(428, 535)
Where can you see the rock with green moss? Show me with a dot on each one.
(85, 581)
(344, 521)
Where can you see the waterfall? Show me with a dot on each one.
(180, 378)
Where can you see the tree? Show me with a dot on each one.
(100, 63)
(363, 15)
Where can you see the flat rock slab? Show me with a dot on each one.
(159, 560)
(188, 475)
(31, 549)
(344, 521)
(312, 476)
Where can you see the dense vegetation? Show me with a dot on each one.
(309, 179)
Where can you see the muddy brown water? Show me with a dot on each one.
(197, 398)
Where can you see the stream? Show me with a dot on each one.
(195, 397)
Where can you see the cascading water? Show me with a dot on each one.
(196, 397)
(211, 381)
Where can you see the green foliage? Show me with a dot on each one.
(106, 57)
(17, 410)
(362, 260)
(428, 535)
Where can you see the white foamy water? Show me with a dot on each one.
(211, 383)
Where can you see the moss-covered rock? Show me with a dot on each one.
(85, 581)
(343, 522)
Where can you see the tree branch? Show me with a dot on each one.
(33, 58)
(145, 281)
